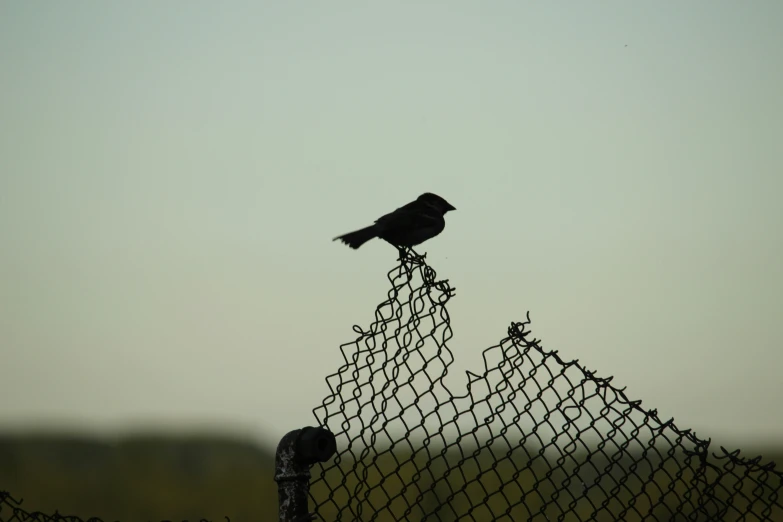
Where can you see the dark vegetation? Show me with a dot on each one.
(200, 477)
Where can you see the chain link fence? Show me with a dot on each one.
(531, 436)
(11, 510)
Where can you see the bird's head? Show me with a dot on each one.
(436, 202)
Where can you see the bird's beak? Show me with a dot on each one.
(449, 207)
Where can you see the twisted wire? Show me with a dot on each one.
(532, 437)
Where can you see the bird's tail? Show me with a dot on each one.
(359, 237)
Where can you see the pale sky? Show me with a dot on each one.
(172, 174)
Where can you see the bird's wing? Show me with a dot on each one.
(413, 205)
(411, 216)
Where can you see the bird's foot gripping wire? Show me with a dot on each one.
(409, 256)
(410, 259)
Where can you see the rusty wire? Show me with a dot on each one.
(12, 510)
(532, 437)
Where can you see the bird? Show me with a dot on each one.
(408, 226)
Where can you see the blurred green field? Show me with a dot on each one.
(141, 478)
(200, 477)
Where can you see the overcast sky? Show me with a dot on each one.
(172, 174)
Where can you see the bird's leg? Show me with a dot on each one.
(407, 254)
(418, 257)
(406, 260)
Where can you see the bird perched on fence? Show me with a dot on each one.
(407, 226)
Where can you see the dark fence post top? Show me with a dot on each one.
(296, 452)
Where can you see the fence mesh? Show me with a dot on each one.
(11, 510)
(532, 437)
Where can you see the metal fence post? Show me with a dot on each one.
(297, 452)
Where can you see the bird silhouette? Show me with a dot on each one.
(408, 226)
